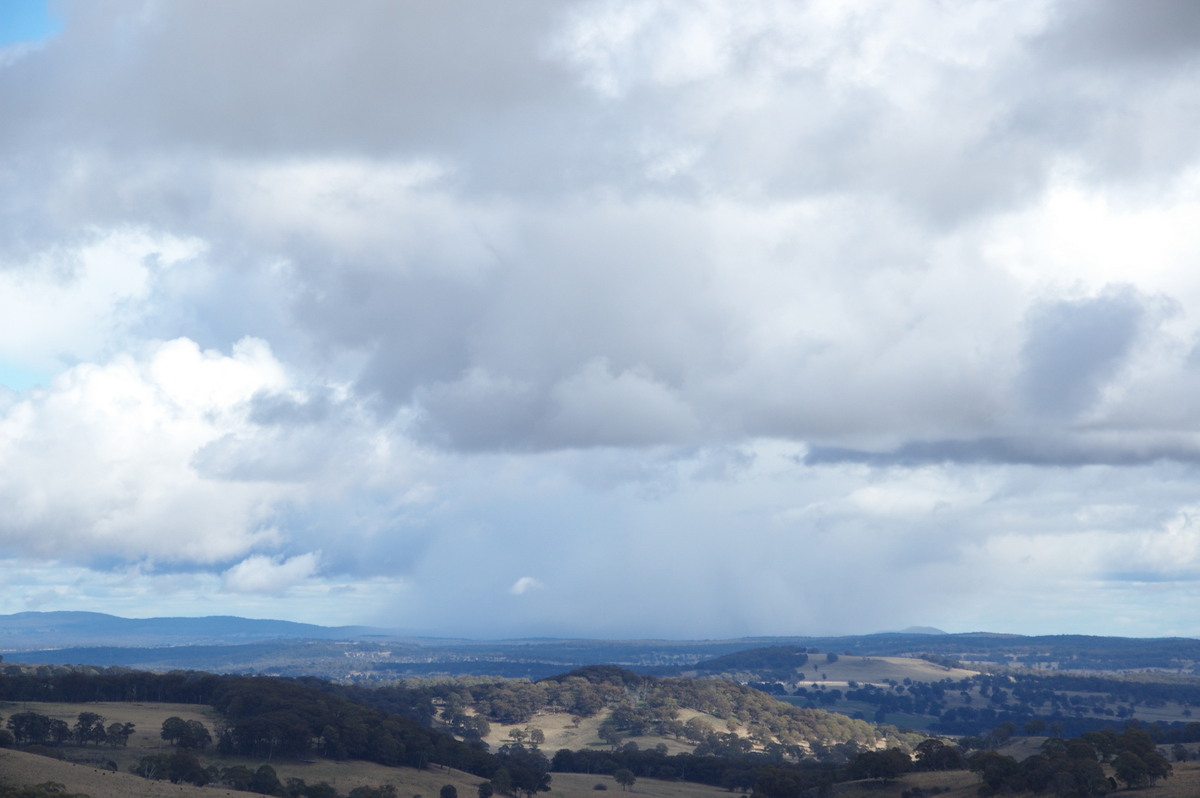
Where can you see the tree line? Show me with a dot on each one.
(33, 728)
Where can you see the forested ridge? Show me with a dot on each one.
(262, 716)
(639, 705)
(269, 718)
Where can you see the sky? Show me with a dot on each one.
(603, 319)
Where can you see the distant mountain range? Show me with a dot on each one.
(225, 644)
(45, 630)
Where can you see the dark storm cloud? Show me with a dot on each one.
(1044, 448)
(1072, 348)
(279, 410)
(1108, 32)
(276, 76)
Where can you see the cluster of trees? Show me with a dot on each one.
(523, 770)
(1072, 768)
(262, 717)
(183, 767)
(930, 756)
(777, 663)
(185, 733)
(265, 717)
(180, 767)
(33, 728)
(743, 774)
(768, 724)
(83, 684)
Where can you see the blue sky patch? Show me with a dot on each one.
(26, 21)
(19, 378)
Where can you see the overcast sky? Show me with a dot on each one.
(621, 319)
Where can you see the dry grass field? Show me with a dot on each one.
(562, 732)
(874, 670)
(147, 718)
(18, 768)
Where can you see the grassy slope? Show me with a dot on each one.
(875, 669)
(19, 768)
(561, 732)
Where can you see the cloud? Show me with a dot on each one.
(524, 585)
(765, 309)
(72, 303)
(99, 464)
(1108, 31)
(271, 575)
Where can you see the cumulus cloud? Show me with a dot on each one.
(701, 295)
(273, 575)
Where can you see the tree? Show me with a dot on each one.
(502, 781)
(60, 732)
(486, 790)
(885, 765)
(174, 729)
(89, 727)
(118, 734)
(184, 767)
(156, 766)
(625, 778)
(29, 727)
(609, 734)
(1131, 769)
(265, 781)
(527, 769)
(448, 791)
(934, 754)
(194, 735)
(995, 769)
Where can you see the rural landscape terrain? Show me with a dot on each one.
(188, 706)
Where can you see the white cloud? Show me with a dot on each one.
(100, 463)
(73, 303)
(273, 575)
(524, 585)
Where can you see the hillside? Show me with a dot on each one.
(933, 696)
(666, 734)
(603, 706)
(19, 768)
(241, 722)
